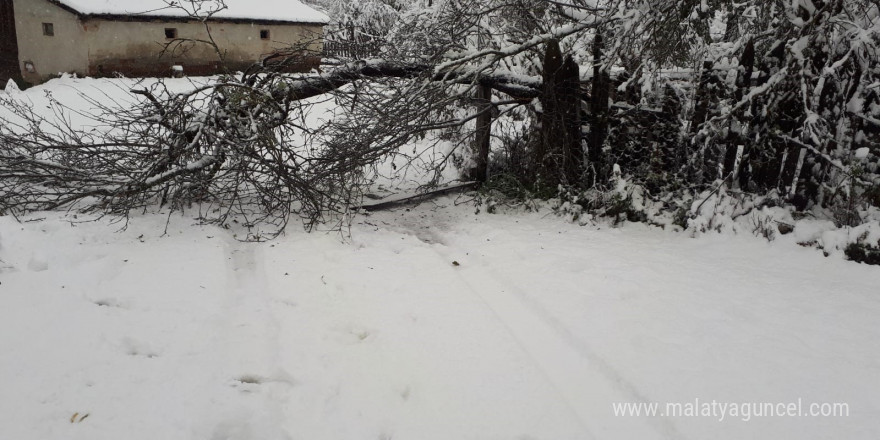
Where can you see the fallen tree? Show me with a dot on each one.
(227, 145)
(462, 79)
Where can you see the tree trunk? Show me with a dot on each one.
(738, 161)
(601, 91)
(570, 107)
(559, 154)
(546, 153)
(705, 95)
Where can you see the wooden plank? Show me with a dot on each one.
(418, 198)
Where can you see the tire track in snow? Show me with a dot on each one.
(586, 382)
(253, 332)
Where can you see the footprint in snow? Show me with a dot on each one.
(138, 348)
(38, 262)
(109, 302)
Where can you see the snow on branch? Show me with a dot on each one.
(517, 86)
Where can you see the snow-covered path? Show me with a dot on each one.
(534, 334)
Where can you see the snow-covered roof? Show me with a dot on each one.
(292, 11)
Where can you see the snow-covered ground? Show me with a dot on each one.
(540, 327)
(427, 322)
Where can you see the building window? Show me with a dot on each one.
(264, 34)
(49, 29)
(171, 33)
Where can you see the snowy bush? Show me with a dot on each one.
(863, 253)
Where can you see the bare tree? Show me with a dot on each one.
(201, 11)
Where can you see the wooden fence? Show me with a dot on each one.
(351, 49)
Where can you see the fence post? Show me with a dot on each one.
(482, 135)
